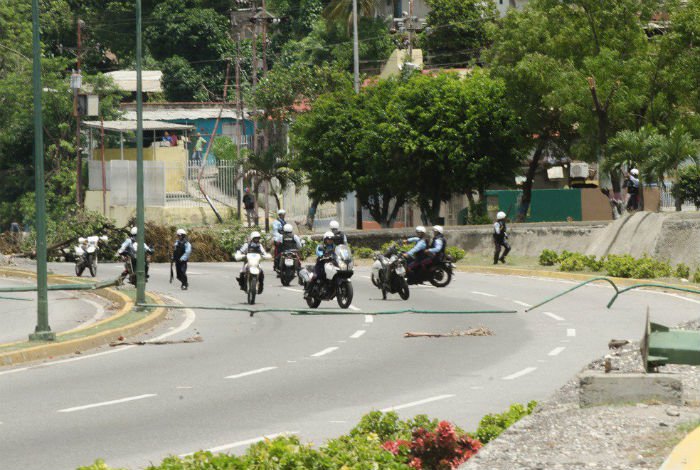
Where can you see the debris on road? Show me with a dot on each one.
(480, 331)
(192, 339)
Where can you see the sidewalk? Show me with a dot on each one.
(124, 322)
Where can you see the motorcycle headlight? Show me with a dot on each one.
(342, 265)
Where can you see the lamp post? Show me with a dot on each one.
(140, 236)
(42, 330)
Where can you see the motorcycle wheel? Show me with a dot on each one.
(404, 293)
(344, 296)
(441, 277)
(252, 289)
(286, 277)
(312, 301)
(79, 268)
(93, 267)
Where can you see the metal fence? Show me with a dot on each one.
(668, 202)
(218, 181)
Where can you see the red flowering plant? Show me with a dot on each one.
(441, 449)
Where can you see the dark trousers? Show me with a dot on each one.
(633, 202)
(497, 250)
(181, 270)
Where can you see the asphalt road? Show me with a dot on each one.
(311, 375)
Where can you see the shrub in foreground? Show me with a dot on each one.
(492, 425)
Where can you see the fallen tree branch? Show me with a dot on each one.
(480, 331)
(193, 339)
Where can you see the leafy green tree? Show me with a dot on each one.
(687, 187)
(457, 30)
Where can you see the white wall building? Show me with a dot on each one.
(396, 8)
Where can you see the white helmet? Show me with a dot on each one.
(134, 230)
(180, 232)
(288, 228)
(420, 229)
(81, 240)
(254, 235)
(501, 215)
(335, 225)
(634, 172)
(328, 234)
(281, 212)
(437, 228)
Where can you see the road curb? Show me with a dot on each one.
(59, 348)
(685, 456)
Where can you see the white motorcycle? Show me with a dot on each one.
(86, 254)
(338, 270)
(389, 273)
(253, 275)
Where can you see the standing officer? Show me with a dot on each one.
(181, 253)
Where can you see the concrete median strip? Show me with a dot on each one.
(125, 322)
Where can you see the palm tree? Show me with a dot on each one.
(342, 9)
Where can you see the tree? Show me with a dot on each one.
(457, 30)
(687, 188)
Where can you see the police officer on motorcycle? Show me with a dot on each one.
(278, 234)
(339, 237)
(128, 252)
(500, 238)
(438, 245)
(289, 240)
(181, 254)
(417, 253)
(325, 253)
(253, 246)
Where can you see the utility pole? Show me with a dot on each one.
(239, 115)
(410, 31)
(76, 113)
(42, 332)
(356, 69)
(140, 222)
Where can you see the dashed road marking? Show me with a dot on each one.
(325, 351)
(483, 293)
(251, 372)
(416, 403)
(107, 403)
(291, 289)
(356, 309)
(525, 371)
(245, 442)
(551, 315)
(524, 304)
(357, 334)
(556, 351)
(369, 318)
(571, 332)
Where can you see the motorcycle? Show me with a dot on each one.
(438, 273)
(86, 254)
(338, 270)
(130, 265)
(290, 264)
(389, 273)
(253, 275)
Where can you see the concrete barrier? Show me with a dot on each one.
(599, 388)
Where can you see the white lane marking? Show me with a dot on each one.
(291, 289)
(325, 351)
(556, 351)
(678, 296)
(369, 318)
(352, 307)
(100, 311)
(291, 362)
(357, 334)
(107, 403)
(551, 315)
(251, 372)
(190, 317)
(12, 371)
(416, 403)
(525, 371)
(571, 332)
(246, 442)
(524, 304)
(476, 387)
(483, 293)
(334, 422)
(368, 277)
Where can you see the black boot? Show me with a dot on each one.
(260, 286)
(240, 282)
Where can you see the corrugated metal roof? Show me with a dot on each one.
(125, 126)
(184, 113)
(126, 80)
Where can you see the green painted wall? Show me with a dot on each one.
(547, 205)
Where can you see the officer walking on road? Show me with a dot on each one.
(500, 238)
(181, 254)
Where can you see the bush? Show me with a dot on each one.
(619, 265)
(402, 246)
(573, 262)
(649, 268)
(309, 248)
(455, 252)
(696, 276)
(363, 252)
(492, 425)
(682, 271)
(548, 257)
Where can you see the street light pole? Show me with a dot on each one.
(141, 235)
(356, 70)
(42, 330)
